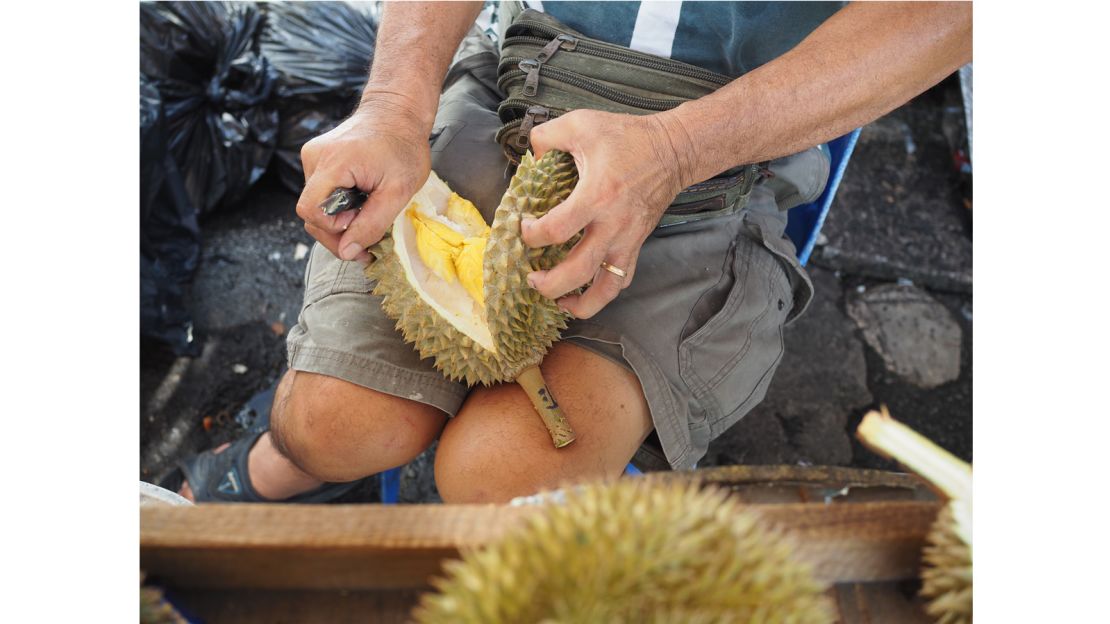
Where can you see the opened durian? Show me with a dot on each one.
(457, 287)
(639, 550)
(947, 572)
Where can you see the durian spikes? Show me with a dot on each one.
(947, 573)
(635, 551)
(532, 382)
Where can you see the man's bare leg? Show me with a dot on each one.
(498, 448)
(325, 429)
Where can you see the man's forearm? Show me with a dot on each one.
(415, 44)
(863, 62)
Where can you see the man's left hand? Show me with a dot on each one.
(628, 173)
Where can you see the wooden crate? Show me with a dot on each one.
(862, 530)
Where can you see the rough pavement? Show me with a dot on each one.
(246, 294)
(899, 213)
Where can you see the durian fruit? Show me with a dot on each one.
(635, 551)
(947, 571)
(457, 287)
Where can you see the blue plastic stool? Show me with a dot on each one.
(804, 222)
(803, 225)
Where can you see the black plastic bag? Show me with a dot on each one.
(320, 49)
(169, 239)
(301, 123)
(216, 89)
(322, 52)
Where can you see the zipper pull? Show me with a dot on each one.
(532, 81)
(536, 115)
(562, 42)
(532, 66)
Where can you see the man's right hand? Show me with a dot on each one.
(383, 151)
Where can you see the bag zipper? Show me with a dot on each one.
(582, 83)
(613, 53)
(524, 104)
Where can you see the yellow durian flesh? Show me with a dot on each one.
(437, 253)
(444, 229)
(468, 265)
(427, 244)
(465, 213)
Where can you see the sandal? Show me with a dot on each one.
(222, 477)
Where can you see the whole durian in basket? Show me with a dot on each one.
(457, 286)
(947, 572)
(635, 551)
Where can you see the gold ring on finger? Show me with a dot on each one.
(619, 272)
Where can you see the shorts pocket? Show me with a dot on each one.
(770, 232)
(727, 362)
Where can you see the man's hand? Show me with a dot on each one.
(628, 175)
(383, 151)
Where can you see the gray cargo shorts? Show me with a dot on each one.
(700, 325)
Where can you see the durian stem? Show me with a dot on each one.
(897, 441)
(532, 382)
(946, 472)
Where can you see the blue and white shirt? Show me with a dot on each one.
(730, 38)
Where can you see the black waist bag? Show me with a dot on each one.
(547, 69)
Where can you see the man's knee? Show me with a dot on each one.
(338, 431)
(473, 468)
(497, 448)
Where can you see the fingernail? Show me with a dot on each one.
(533, 277)
(350, 252)
(526, 223)
(343, 221)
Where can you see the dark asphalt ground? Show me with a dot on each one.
(903, 213)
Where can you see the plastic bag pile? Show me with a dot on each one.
(227, 91)
(322, 52)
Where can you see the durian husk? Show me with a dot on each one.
(947, 572)
(637, 551)
(523, 323)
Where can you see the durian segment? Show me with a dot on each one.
(430, 279)
(458, 356)
(468, 265)
(525, 322)
(465, 213)
(440, 226)
(517, 325)
(437, 253)
(635, 551)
